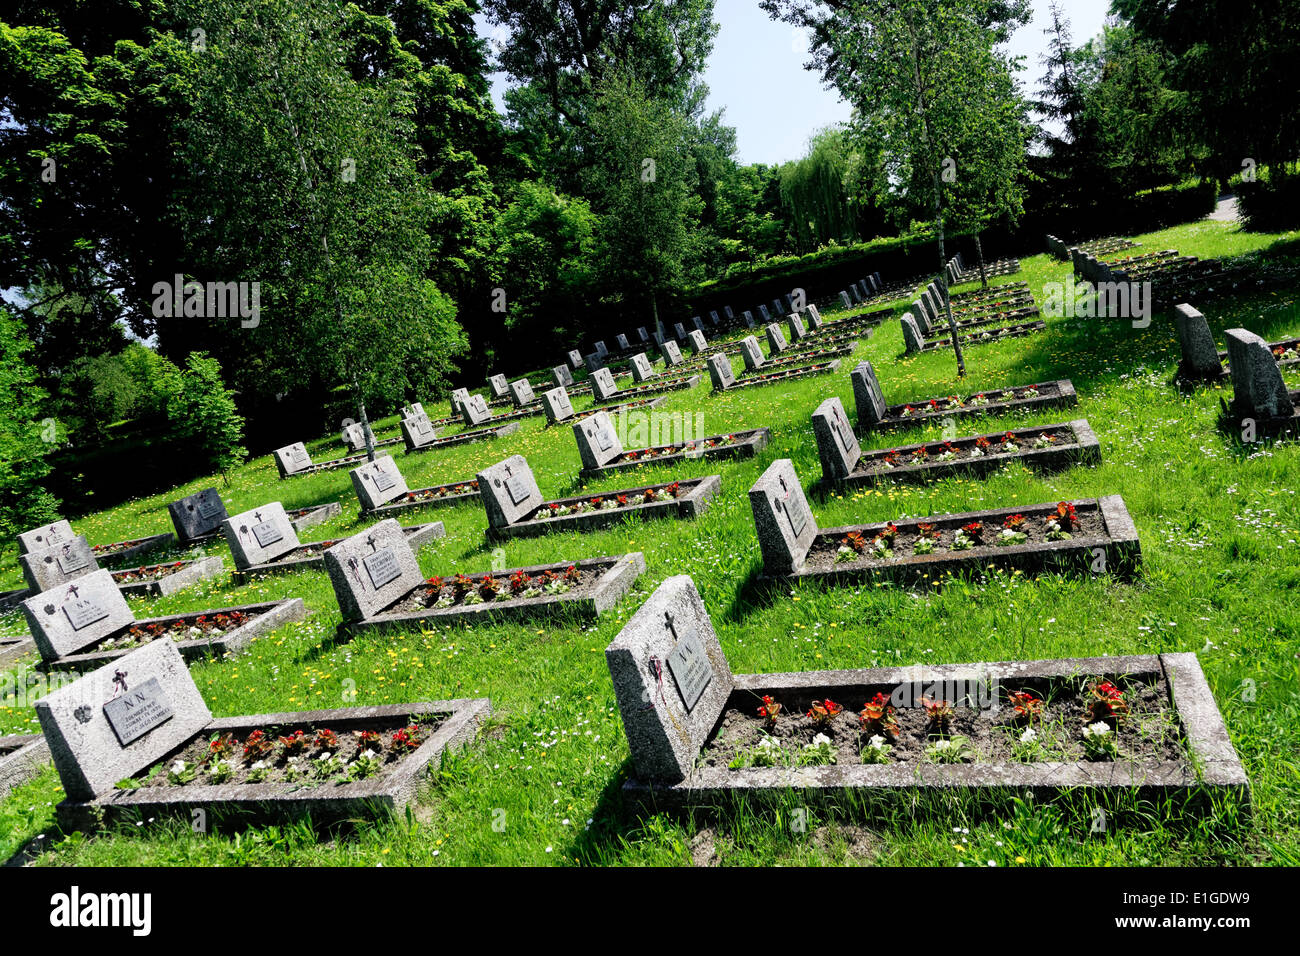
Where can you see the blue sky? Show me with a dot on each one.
(756, 75)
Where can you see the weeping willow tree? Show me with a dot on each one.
(818, 191)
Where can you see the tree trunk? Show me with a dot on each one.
(979, 251)
(943, 278)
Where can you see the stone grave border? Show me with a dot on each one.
(748, 444)
(1004, 332)
(200, 569)
(417, 536)
(622, 396)
(388, 792)
(759, 377)
(620, 574)
(441, 502)
(1065, 397)
(1085, 449)
(137, 546)
(477, 434)
(22, 757)
(1210, 764)
(693, 502)
(270, 616)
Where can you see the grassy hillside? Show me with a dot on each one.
(1219, 525)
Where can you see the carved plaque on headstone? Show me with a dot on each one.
(267, 533)
(210, 505)
(83, 612)
(516, 488)
(382, 567)
(690, 668)
(70, 560)
(383, 480)
(138, 711)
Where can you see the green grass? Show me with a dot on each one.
(1219, 526)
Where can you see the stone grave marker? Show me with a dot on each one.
(764, 316)
(837, 446)
(414, 409)
(699, 325)
(601, 350)
(593, 361)
(642, 371)
(602, 384)
(751, 353)
(845, 301)
(672, 354)
(785, 525)
(814, 317)
(875, 281)
(622, 342)
(788, 301)
(354, 436)
(48, 567)
(561, 376)
(509, 490)
(44, 536)
(598, 443)
(521, 391)
(261, 534)
(557, 404)
(1200, 354)
(197, 515)
(797, 331)
(417, 431)
(500, 388)
(378, 482)
(72, 616)
(292, 459)
(726, 310)
(696, 341)
(913, 340)
(776, 343)
(1259, 391)
(476, 410)
(117, 720)
(680, 330)
(459, 396)
(713, 317)
(867, 395)
(642, 334)
(671, 680)
(372, 569)
(779, 306)
(575, 359)
(720, 373)
(749, 319)
(658, 338)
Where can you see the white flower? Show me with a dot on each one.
(1028, 737)
(821, 740)
(178, 766)
(942, 744)
(877, 741)
(324, 755)
(1099, 729)
(370, 754)
(260, 765)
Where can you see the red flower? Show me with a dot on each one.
(973, 530)
(769, 710)
(823, 712)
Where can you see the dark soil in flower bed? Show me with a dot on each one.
(993, 292)
(159, 579)
(995, 401)
(290, 758)
(759, 377)
(744, 444)
(472, 590)
(653, 387)
(1043, 447)
(1149, 730)
(797, 356)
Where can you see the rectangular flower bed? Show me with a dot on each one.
(986, 335)
(437, 496)
(1093, 535)
(743, 444)
(654, 387)
(678, 499)
(791, 358)
(196, 634)
(759, 378)
(699, 735)
(476, 434)
(22, 757)
(585, 587)
(134, 738)
(1044, 447)
(157, 580)
(123, 551)
(312, 553)
(998, 401)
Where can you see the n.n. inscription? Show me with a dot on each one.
(689, 665)
(138, 711)
(83, 612)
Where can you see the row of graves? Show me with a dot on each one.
(1102, 248)
(701, 735)
(1203, 361)
(1172, 277)
(981, 316)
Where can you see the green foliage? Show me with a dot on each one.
(821, 191)
(25, 439)
(201, 413)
